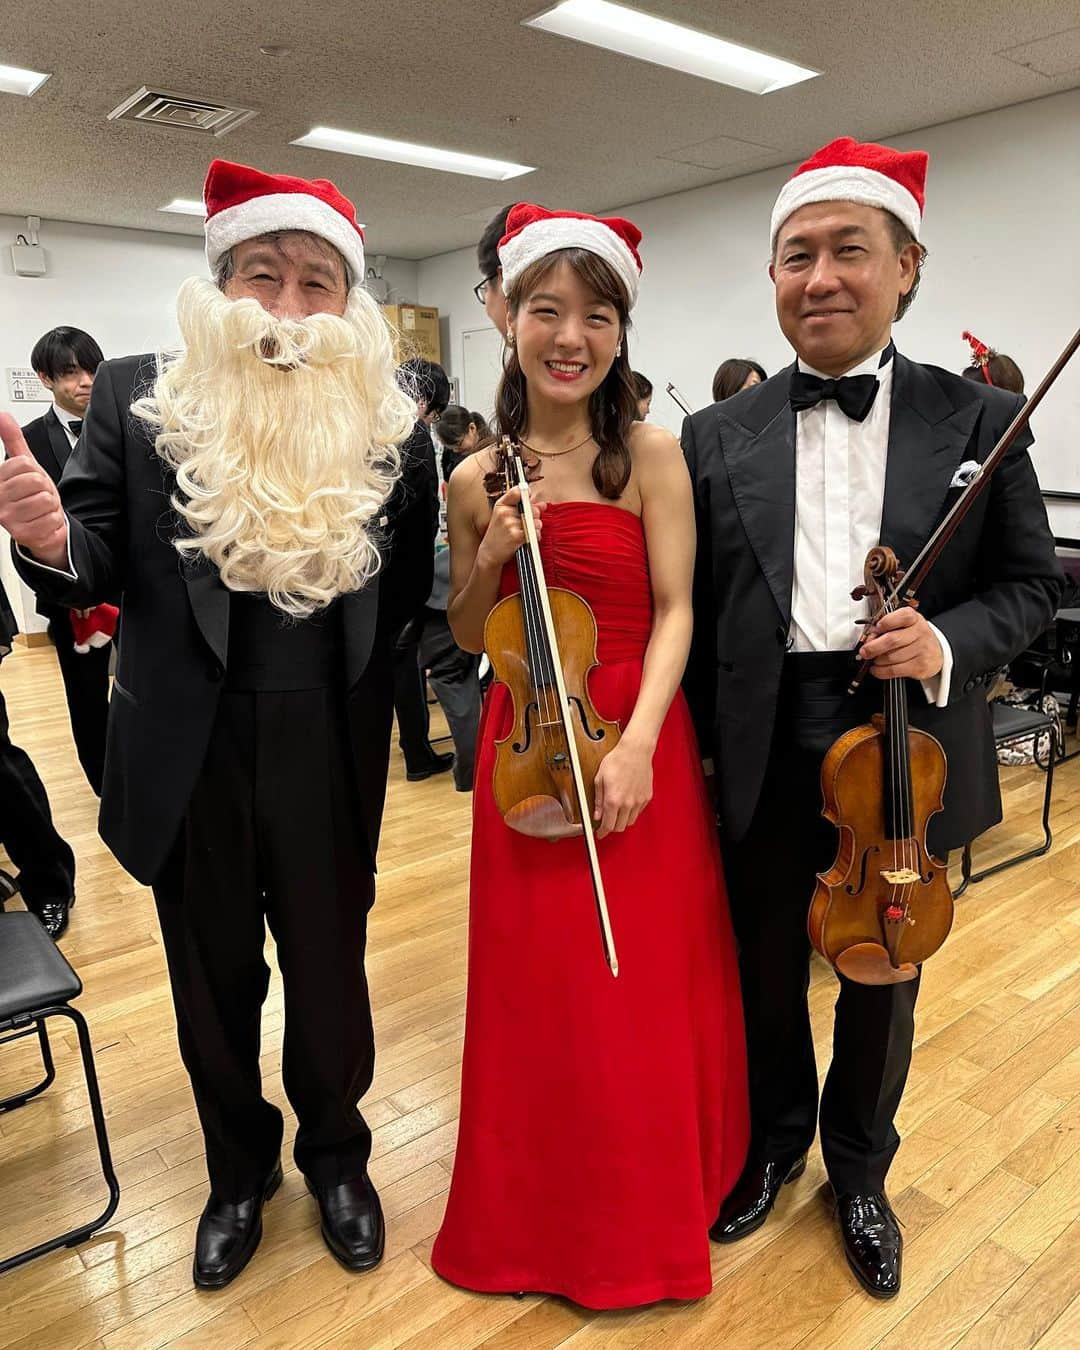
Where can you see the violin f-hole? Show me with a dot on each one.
(864, 868)
(520, 747)
(598, 734)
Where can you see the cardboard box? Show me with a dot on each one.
(417, 329)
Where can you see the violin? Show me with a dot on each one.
(885, 905)
(542, 644)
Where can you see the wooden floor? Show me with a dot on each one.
(987, 1181)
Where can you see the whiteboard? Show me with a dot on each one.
(481, 368)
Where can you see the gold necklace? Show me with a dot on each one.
(554, 454)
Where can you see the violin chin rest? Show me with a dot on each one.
(541, 818)
(869, 963)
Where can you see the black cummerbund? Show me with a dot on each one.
(815, 707)
(270, 651)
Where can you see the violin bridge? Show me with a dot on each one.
(904, 877)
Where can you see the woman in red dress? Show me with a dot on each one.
(602, 1120)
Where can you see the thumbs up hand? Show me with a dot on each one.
(30, 508)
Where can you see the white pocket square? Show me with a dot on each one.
(965, 473)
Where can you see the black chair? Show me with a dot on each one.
(37, 983)
(1012, 725)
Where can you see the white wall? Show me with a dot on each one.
(1000, 225)
(120, 286)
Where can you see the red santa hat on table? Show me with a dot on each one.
(242, 202)
(532, 232)
(851, 171)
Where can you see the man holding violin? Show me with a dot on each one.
(795, 480)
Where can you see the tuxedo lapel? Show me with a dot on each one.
(758, 446)
(360, 610)
(927, 438)
(58, 441)
(210, 605)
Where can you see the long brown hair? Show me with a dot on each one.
(612, 405)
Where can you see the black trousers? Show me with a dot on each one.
(86, 684)
(410, 698)
(771, 873)
(271, 836)
(45, 861)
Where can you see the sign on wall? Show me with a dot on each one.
(25, 387)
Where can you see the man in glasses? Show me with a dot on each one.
(489, 291)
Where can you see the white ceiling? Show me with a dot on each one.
(601, 129)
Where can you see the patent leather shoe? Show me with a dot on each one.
(54, 916)
(229, 1234)
(751, 1202)
(872, 1241)
(352, 1221)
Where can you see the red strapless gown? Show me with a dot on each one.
(603, 1120)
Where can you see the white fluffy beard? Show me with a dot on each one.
(283, 435)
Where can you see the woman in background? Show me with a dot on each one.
(734, 375)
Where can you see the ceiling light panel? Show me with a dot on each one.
(185, 206)
(403, 152)
(16, 80)
(647, 38)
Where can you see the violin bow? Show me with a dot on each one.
(514, 457)
(678, 398)
(904, 589)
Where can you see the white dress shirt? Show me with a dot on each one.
(65, 419)
(839, 496)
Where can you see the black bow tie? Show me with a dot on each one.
(75, 428)
(854, 394)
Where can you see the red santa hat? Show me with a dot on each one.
(94, 627)
(532, 232)
(242, 202)
(980, 355)
(846, 170)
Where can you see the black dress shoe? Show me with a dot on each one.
(54, 916)
(749, 1204)
(352, 1222)
(436, 764)
(872, 1242)
(229, 1234)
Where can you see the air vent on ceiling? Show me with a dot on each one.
(181, 111)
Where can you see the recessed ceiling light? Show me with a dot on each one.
(185, 206)
(402, 152)
(16, 80)
(632, 33)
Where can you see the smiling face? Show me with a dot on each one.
(566, 333)
(293, 275)
(839, 276)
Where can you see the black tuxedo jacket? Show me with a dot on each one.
(116, 491)
(991, 593)
(49, 444)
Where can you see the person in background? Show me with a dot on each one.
(734, 375)
(427, 383)
(45, 861)
(460, 433)
(65, 361)
(1001, 372)
(643, 386)
(489, 289)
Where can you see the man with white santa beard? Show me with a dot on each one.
(249, 499)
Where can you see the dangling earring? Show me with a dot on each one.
(509, 339)
(618, 350)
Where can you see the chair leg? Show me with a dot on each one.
(1048, 838)
(80, 1234)
(965, 872)
(21, 1098)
